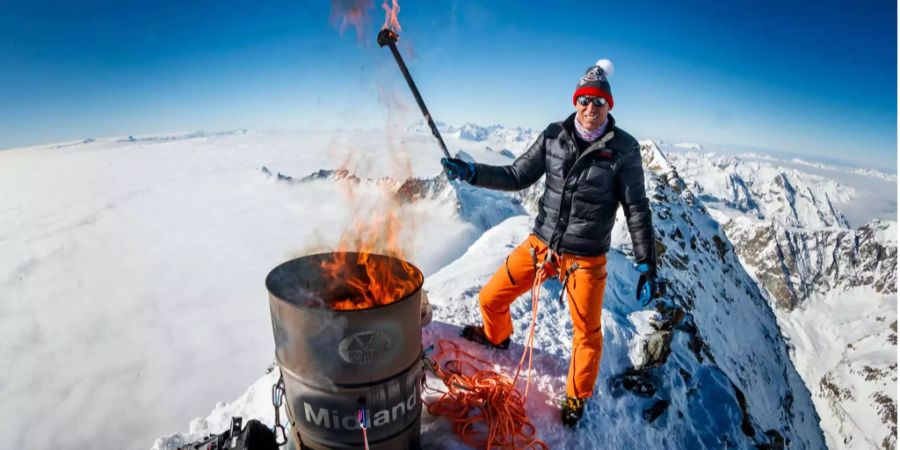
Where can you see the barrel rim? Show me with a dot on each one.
(419, 283)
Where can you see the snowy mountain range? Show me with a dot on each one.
(733, 197)
(832, 286)
(669, 371)
(779, 330)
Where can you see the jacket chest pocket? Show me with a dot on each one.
(599, 174)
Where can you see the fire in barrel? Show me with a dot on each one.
(348, 338)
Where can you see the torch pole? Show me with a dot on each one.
(389, 38)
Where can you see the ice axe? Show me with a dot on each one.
(388, 37)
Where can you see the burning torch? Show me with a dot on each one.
(389, 38)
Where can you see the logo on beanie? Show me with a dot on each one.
(593, 74)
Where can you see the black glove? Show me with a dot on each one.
(459, 169)
(649, 286)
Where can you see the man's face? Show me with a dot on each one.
(591, 116)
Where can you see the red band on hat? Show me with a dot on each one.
(593, 92)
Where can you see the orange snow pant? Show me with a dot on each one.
(584, 290)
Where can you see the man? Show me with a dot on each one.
(591, 167)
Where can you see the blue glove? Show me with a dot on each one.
(649, 286)
(459, 169)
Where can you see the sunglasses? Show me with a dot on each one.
(597, 101)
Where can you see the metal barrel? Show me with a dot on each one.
(335, 362)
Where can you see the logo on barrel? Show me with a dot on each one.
(321, 418)
(363, 348)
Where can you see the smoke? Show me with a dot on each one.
(355, 13)
(378, 222)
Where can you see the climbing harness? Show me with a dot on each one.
(551, 271)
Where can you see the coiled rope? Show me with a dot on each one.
(484, 406)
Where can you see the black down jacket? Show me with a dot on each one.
(583, 189)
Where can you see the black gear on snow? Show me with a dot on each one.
(572, 411)
(475, 333)
(584, 186)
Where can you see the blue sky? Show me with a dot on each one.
(816, 78)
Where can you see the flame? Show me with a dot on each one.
(364, 279)
(371, 280)
(345, 13)
(390, 16)
(377, 227)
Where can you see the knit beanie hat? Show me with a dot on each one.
(594, 83)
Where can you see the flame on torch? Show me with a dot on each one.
(390, 16)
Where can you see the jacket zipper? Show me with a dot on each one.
(593, 148)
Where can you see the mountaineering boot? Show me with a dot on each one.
(572, 410)
(475, 333)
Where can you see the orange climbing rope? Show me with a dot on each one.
(486, 409)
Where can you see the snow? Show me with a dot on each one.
(843, 333)
(689, 146)
(876, 173)
(887, 232)
(833, 338)
(859, 194)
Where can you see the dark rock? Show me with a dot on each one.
(637, 381)
(776, 441)
(338, 174)
(746, 425)
(653, 412)
(828, 387)
(721, 247)
(792, 270)
(669, 316)
(418, 188)
(887, 409)
(660, 248)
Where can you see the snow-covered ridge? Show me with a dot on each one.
(690, 146)
(135, 138)
(482, 209)
(794, 264)
(876, 173)
(477, 133)
(180, 137)
(764, 190)
(833, 288)
(835, 292)
(780, 158)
